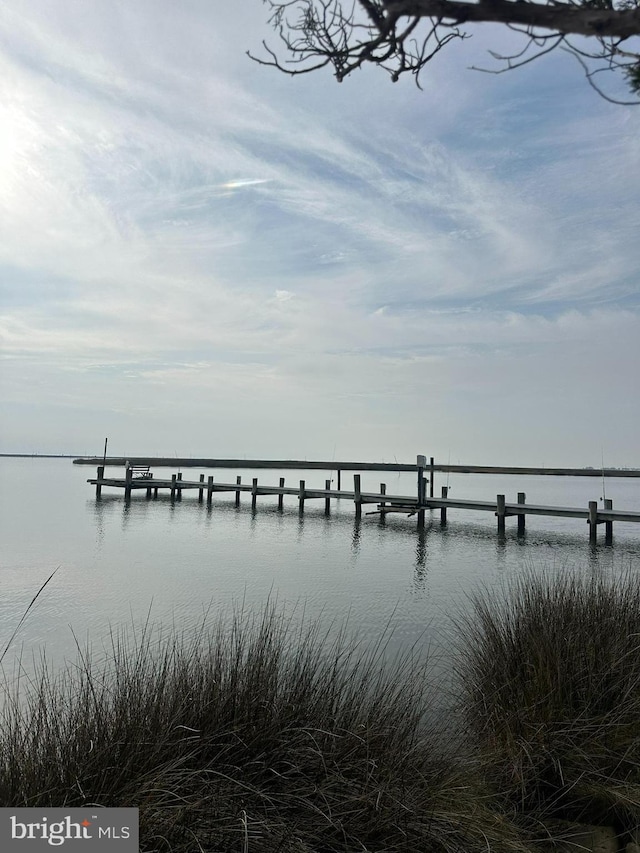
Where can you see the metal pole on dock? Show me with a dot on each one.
(431, 473)
(521, 517)
(608, 525)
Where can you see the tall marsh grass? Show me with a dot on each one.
(251, 736)
(549, 680)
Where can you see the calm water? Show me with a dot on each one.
(119, 562)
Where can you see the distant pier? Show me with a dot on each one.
(138, 476)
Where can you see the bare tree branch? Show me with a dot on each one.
(402, 36)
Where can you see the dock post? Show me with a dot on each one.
(179, 489)
(155, 492)
(338, 479)
(431, 473)
(422, 488)
(608, 525)
(357, 494)
(201, 489)
(254, 493)
(301, 496)
(443, 510)
(128, 477)
(327, 500)
(593, 522)
(173, 486)
(99, 476)
(383, 491)
(149, 492)
(238, 481)
(281, 496)
(209, 490)
(501, 513)
(521, 518)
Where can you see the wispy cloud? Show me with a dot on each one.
(185, 223)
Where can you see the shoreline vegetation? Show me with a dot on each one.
(261, 733)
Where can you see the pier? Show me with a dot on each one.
(140, 477)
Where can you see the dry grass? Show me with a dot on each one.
(251, 736)
(549, 679)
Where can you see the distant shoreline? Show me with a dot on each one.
(40, 455)
(334, 465)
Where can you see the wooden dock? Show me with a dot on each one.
(139, 477)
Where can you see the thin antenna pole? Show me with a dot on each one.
(104, 458)
(604, 493)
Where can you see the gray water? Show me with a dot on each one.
(119, 563)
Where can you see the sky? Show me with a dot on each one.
(200, 256)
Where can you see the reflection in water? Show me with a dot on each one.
(420, 573)
(355, 538)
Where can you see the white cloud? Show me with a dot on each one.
(199, 229)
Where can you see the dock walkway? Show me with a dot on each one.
(385, 503)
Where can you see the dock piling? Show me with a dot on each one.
(421, 462)
(201, 489)
(254, 493)
(593, 522)
(443, 510)
(179, 488)
(281, 496)
(128, 477)
(99, 476)
(431, 473)
(238, 481)
(521, 517)
(501, 514)
(357, 494)
(301, 496)
(174, 477)
(608, 525)
(327, 500)
(209, 490)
